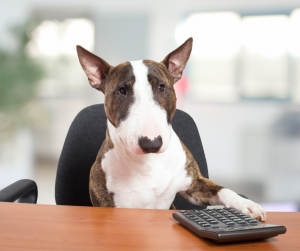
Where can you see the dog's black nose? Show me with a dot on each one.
(150, 146)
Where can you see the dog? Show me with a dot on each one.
(142, 163)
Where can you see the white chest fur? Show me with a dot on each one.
(145, 181)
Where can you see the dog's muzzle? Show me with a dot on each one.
(150, 146)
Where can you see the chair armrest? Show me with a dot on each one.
(243, 196)
(25, 191)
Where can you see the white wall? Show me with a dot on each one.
(164, 15)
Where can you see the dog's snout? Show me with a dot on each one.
(150, 146)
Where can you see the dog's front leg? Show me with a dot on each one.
(202, 191)
(228, 198)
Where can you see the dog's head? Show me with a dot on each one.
(140, 99)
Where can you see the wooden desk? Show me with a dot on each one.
(47, 227)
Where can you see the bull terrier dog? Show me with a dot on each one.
(142, 163)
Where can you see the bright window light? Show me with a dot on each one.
(216, 35)
(295, 33)
(53, 38)
(266, 35)
(295, 52)
(265, 58)
(217, 41)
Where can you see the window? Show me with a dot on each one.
(54, 43)
(54, 38)
(235, 57)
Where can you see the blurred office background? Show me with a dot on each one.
(241, 85)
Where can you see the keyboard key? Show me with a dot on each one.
(204, 225)
(229, 223)
(241, 222)
(218, 216)
(226, 221)
(231, 210)
(213, 222)
(226, 214)
(252, 221)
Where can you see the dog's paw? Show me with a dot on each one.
(248, 207)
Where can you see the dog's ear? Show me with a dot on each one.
(95, 67)
(176, 60)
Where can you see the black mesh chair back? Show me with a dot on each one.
(83, 141)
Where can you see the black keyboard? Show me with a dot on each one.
(226, 225)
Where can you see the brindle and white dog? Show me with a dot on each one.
(142, 163)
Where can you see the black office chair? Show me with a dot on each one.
(83, 141)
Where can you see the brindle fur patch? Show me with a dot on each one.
(99, 194)
(201, 189)
(172, 207)
(158, 75)
(116, 104)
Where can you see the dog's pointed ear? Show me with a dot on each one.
(176, 60)
(95, 67)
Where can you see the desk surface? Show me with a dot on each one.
(40, 227)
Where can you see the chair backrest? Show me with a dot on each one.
(83, 141)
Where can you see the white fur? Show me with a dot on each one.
(229, 198)
(146, 118)
(152, 180)
(145, 181)
(141, 180)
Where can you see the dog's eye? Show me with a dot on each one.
(122, 90)
(161, 87)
